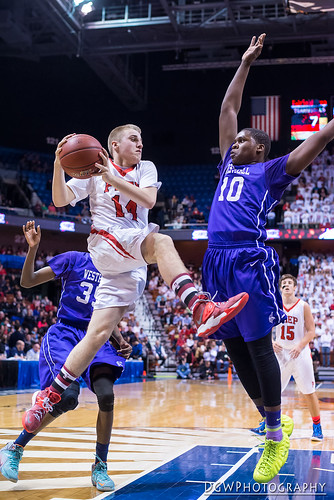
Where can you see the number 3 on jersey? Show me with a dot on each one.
(235, 188)
(287, 332)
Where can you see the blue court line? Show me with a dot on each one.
(197, 475)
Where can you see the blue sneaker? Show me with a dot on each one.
(100, 478)
(286, 422)
(261, 429)
(10, 457)
(317, 433)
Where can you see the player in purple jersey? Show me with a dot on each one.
(250, 186)
(79, 279)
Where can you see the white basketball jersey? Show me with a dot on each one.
(293, 330)
(109, 207)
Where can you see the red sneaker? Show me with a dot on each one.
(42, 403)
(209, 315)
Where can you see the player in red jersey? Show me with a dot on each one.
(293, 351)
(121, 244)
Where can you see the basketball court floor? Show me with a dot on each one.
(172, 439)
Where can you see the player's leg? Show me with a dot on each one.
(258, 269)
(276, 447)
(304, 377)
(207, 315)
(313, 406)
(57, 343)
(99, 331)
(286, 366)
(102, 381)
(238, 352)
(269, 378)
(12, 453)
(255, 270)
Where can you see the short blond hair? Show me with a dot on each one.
(116, 134)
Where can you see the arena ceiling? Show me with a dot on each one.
(117, 38)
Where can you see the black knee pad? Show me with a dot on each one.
(104, 389)
(69, 400)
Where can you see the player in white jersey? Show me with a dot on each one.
(121, 244)
(292, 348)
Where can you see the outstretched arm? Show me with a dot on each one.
(29, 277)
(62, 195)
(304, 154)
(228, 123)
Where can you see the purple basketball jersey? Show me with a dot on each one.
(243, 198)
(80, 279)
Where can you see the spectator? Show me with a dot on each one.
(206, 370)
(223, 359)
(15, 336)
(137, 350)
(3, 347)
(271, 219)
(17, 351)
(27, 341)
(288, 214)
(183, 370)
(147, 355)
(325, 345)
(159, 352)
(33, 353)
(173, 203)
(52, 209)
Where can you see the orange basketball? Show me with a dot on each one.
(79, 154)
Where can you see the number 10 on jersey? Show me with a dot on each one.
(233, 190)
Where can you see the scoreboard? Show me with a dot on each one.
(309, 116)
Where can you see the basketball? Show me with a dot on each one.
(79, 154)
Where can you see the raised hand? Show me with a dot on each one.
(104, 168)
(32, 235)
(59, 146)
(254, 50)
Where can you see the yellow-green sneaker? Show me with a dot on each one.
(274, 456)
(287, 424)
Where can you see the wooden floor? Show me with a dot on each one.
(155, 422)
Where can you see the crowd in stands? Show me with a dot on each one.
(179, 213)
(315, 285)
(26, 315)
(191, 356)
(307, 203)
(23, 320)
(309, 200)
(195, 357)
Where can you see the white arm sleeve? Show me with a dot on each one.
(149, 175)
(81, 188)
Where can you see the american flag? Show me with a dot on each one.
(266, 115)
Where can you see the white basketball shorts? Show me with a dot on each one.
(121, 290)
(118, 250)
(300, 368)
(117, 256)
